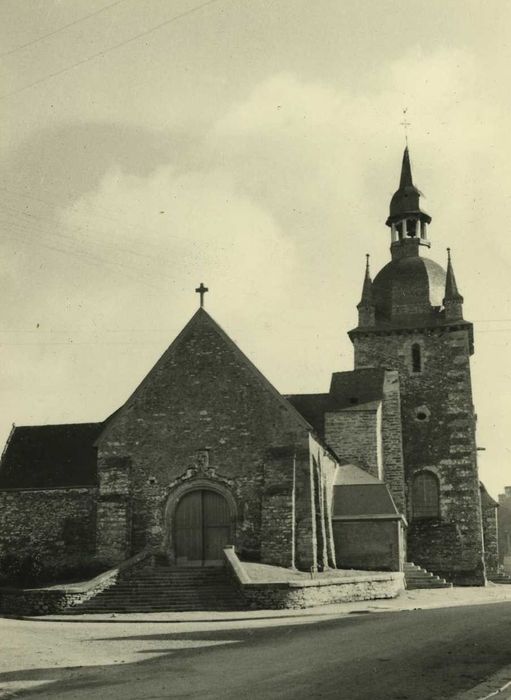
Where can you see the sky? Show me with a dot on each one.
(253, 145)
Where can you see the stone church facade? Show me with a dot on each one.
(380, 469)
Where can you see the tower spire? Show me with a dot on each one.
(407, 221)
(406, 170)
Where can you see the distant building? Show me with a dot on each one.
(504, 529)
(380, 468)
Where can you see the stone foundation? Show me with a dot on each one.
(274, 595)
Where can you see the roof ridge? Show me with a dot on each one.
(202, 314)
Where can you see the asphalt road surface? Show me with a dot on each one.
(419, 655)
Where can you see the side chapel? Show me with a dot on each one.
(379, 469)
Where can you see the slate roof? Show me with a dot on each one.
(50, 456)
(348, 390)
(350, 475)
(359, 494)
(357, 387)
(363, 500)
(313, 407)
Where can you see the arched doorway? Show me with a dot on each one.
(202, 528)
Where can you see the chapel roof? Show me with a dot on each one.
(50, 456)
(363, 500)
(360, 495)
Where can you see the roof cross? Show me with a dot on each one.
(405, 123)
(202, 290)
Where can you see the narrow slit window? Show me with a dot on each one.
(416, 358)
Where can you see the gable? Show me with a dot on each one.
(205, 375)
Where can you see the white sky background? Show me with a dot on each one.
(253, 145)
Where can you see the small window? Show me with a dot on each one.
(425, 496)
(422, 414)
(416, 358)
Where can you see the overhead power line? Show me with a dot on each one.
(175, 18)
(60, 29)
(125, 225)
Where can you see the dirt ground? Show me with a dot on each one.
(36, 653)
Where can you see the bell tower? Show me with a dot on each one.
(407, 221)
(410, 319)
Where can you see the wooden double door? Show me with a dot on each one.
(202, 528)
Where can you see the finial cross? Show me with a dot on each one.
(202, 290)
(405, 123)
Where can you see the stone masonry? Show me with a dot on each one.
(438, 424)
(205, 413)
(47, 531)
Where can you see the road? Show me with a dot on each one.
(419, 655)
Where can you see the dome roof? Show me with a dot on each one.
(408, 286)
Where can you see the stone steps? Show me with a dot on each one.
(166, 589)
(416, 577)
(500, 577)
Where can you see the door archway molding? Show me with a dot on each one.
(175, 496)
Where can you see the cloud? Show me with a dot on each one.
(284, 194)
(174, 229)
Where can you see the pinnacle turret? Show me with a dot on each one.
(453, 300)
(366, 305)
(451, 288)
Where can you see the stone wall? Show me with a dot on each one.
(48, 601)
(278, 504)
(323, 471)
(307, 593)
(311, 593)
(392, 440)
(114, 508)
(355, 436)
(438, 424)
(370, 436)
(204, 415)
(47, 533)
(373, 545)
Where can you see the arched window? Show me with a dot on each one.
(416, 358)
(425, 496)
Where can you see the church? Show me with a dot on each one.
(375, 471)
